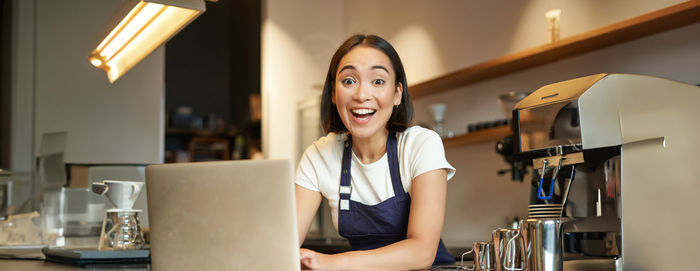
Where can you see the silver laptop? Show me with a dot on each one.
(230, 215)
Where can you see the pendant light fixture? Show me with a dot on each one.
(139, 29)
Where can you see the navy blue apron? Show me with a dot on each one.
(369, 227)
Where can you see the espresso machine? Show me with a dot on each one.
(619, 152)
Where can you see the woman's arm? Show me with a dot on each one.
(428, 195)
(307, 202)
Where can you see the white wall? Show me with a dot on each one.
(436, 37)
(298, 41)
(22, 86)
(106, 123)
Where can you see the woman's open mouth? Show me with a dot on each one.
(363, 114)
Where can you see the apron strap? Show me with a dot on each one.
(345, 188)
(393, 157)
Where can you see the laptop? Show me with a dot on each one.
(227, 215)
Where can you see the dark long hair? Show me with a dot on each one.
(400, 118)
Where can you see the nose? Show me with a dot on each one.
(362, 93)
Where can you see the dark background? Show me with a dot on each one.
(213, 65)
(5, 105)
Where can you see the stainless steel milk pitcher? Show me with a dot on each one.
(540, 245)
(500, 242)
(483, 257)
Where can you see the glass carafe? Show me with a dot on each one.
(121, 230)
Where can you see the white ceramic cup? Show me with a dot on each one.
(122, 194)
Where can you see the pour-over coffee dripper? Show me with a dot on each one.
(122, 194)
(437, 111)
(120, 228)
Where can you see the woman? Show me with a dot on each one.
(368, 162)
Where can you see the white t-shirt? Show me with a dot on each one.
(419, 150)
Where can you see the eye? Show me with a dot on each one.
(347, 81)
(378, 82)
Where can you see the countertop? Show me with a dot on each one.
(38, 265)
(319, 245)
(32, 259)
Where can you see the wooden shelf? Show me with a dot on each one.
(492, 134)
(651, 23)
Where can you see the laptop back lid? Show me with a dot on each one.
(228, 215)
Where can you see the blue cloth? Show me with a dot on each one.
(373, 226)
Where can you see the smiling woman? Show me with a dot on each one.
(384, 181)
(401, 117)
(365, 93)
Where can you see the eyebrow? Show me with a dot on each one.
(347, 67)
(380, 67)
(351, 67)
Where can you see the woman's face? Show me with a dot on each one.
(366, 91)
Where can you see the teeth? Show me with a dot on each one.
(363, 111)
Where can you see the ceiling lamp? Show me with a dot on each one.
(141, 28)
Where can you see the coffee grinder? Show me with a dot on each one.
(120, 227)
(619, 150)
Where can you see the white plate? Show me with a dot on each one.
(544, 213)
(546, 205)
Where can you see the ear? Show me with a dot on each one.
(398, 94)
